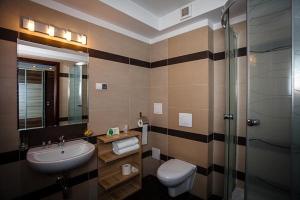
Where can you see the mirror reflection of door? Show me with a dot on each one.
(75, 97)
(37, 93)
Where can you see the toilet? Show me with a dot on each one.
(177, 175)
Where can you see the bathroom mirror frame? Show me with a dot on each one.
(69, 53)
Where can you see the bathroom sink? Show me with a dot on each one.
(54, 158)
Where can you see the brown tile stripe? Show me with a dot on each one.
(221, 169)
(11, 35)
(183, 134)
(196, 56)
(196, 136)
(189, 57)
(108, 56)
(62, 119)
(67, 75)
(239, 140)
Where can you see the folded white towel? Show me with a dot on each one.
(126, 149)
(125, 143)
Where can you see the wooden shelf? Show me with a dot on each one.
(111, 156)
(115, 179)
(124, 191)
(108, 139)
(113, 184)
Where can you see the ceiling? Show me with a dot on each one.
(146, 20)
(160, 8)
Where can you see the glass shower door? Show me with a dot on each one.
(268, 165)
(231, 112)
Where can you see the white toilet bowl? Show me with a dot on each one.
(177, 175)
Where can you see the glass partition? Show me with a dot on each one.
(268, 165)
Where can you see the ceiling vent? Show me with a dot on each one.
(186, 12)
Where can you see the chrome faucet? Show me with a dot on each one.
(61, 141)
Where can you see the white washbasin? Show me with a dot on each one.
(54, 158)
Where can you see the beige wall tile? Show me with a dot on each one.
(219, 72)
(219, 40)
(160, 141)
(219, 109)
(101, 120)
(191, 97)
(188, 150)
(190, 42)
(218, 184)
(200, 119)
(121, 44)
(158, 119)
(219, 152)
(8, 57)
(200, 186)
(194, 72)
(159, 94)
(8, 100)
(159, 77)
(159, 51)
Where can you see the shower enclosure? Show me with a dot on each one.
(273, 100)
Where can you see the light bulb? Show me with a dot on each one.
(30, 25)
(83, 39)
(68, 35)
(50, 30)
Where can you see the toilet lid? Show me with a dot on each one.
(174, 168)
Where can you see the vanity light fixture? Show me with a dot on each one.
(52, 31)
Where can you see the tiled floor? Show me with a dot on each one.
(153, 190)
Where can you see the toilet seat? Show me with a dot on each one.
(175, 171)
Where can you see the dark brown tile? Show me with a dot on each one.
(108, 56)
(139, 63)
(10, 35)
(189, 57)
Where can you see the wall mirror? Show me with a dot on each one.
(52, 86)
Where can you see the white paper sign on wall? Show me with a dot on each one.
(185, 119)
(157, 108)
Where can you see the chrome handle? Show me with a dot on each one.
(228, 116)
(253, 122)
